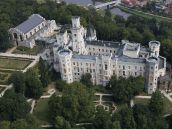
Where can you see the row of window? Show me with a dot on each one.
(102, 50)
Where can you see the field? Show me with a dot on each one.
(41, 111)
(14, 63)
(24, 50)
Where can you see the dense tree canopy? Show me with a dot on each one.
(75, 105)
(124, 89)
(28, 84)
(156, 103)
(13, 106)
(86, 80)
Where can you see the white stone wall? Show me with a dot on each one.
(101, 50)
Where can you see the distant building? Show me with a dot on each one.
(80, 52)
(34, 27)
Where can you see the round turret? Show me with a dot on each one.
(154, 48)
(151, 74)
(65, 63)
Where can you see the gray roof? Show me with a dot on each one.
(104, 43)
(33, 21)
(84, 57)
(124, 58)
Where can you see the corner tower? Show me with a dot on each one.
(65, 65)
(154, 48)
(151, 74)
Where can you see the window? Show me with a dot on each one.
(73, 63)
(102, 50)
(21, 37)
(64, 70)
(128, 67)
(135, 73)
(110, 51)
(135, 67)
(123, 67)
(100, 65)
(123, 73)
(106, 66)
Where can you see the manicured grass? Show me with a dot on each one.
(107, 98)
(41, 111)
(14, 63)
(167, 104)
(142, 14)
(24, 50)
(4, 76)
(141, 101)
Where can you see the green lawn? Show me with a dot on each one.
(24, 50)
(142, 14)
(141, 101)
(4, 76)
(167, 104)
(14, 63)
(41, 111)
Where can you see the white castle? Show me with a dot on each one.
(80, 52)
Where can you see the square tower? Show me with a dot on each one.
(76, 22)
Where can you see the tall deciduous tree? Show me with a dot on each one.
(102, 119)
(18, 80)
(86, 80)
(13, 106)
(156, 104)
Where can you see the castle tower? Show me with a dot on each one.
(65, 65)
(151, 74)
(78, 33)
(155, 48)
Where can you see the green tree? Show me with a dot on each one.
(34, 87)
(75, 105)
(127, 119)
(43, 70)
(156, 104)
(60, 85)
(13, 106)
(102, 119)
(86, 80)
(19, 124)
(61, 123)
(18, 80)
(4, 125)
(116, 125)
(141, 116)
